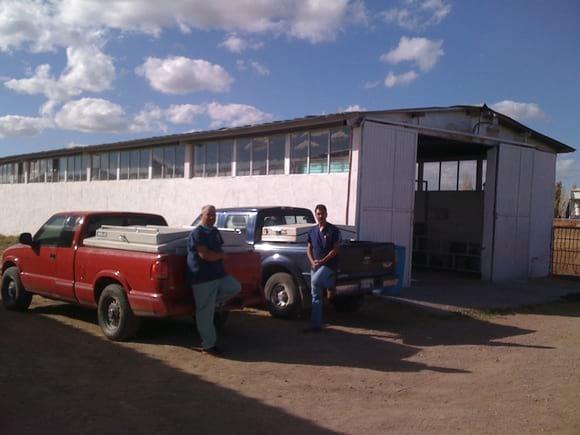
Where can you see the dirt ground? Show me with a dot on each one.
(389, 368)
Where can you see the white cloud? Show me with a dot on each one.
(424, 52)
(400, 79)
(184, 113)
(236, 44)
(260, 69)
(519, 111)
(15, 125)
(314, 21)
(91, 115)
(418, 14)
(235, 115)
(568, 170)
(181, 75)
(372, 84)
(354, 108)
(88, 69)
(149, 118)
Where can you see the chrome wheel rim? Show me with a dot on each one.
(280, 297)
(113, 313)
(11, 290)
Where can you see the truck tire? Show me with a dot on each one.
(282, 298)
(14, 295)
(348, 303)
(116, 318)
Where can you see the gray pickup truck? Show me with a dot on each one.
(363, 266)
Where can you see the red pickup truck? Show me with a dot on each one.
(124, 285)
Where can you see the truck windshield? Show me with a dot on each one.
(283, 218)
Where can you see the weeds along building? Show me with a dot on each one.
(463, 188)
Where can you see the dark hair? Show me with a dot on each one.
(320, 207)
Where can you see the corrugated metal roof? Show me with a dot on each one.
(311, 121)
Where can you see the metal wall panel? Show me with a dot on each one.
(387, 186)
(542, 206)
(511, 232)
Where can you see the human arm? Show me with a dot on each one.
(208, 255)
(310, 255)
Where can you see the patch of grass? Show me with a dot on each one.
(6, 241)
(569, 305)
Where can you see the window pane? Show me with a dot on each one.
(103, 173)
(21, 166)
(56, 169)
(276, 154)
(144, 160)
(179, 161)
(124, 165)
(243, 156)
(113, 165)
(483, 173)
(47, 168)
(225, 162)
(467, 174)
(211, 159)
(339, 149)
(157, 163)
(259, 155)
(431, 175)
(318, 152)
(78, 168)
(50, 232)
(298, 153)
(86, 164)
(198, 159)
(168, 161)
(70, 168)
(134, 164)
(448, 176)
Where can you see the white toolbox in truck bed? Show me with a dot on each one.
(298, 233)
(154, 239)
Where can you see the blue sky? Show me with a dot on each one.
(83, 72)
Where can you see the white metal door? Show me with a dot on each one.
(508, 210)
(387, 186)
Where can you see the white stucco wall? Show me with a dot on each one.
(27, 206)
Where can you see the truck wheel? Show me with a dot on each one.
(282, 297)
(348, 303)
(116, 318)
(14, 295)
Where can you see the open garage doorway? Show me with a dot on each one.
(449, 205)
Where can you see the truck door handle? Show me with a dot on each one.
(52, 256)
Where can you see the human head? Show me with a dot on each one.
(320, 212)
(208, 215)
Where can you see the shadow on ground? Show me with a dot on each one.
(58, 379)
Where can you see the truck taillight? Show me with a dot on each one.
(159, 270)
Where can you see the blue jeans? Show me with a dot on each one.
(207, 295)
(321, 279)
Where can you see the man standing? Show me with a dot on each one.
(211, 285)
(323, 248)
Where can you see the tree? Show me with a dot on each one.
(560, 201)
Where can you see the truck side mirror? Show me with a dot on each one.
(25, 239)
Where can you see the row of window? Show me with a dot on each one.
(462, 175)
(310, 152)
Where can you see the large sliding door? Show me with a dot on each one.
(387, 186)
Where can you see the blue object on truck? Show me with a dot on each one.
(400, 272)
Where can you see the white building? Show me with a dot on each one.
(462, 188)
(574, 205)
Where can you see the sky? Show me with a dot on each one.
(86, 72)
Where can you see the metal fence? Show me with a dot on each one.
(566, 247)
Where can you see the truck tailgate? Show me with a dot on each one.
(366, 259)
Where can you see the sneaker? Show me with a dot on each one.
(312, 330)
(213, 351)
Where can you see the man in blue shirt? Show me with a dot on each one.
(323, 248)
(211, 285)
